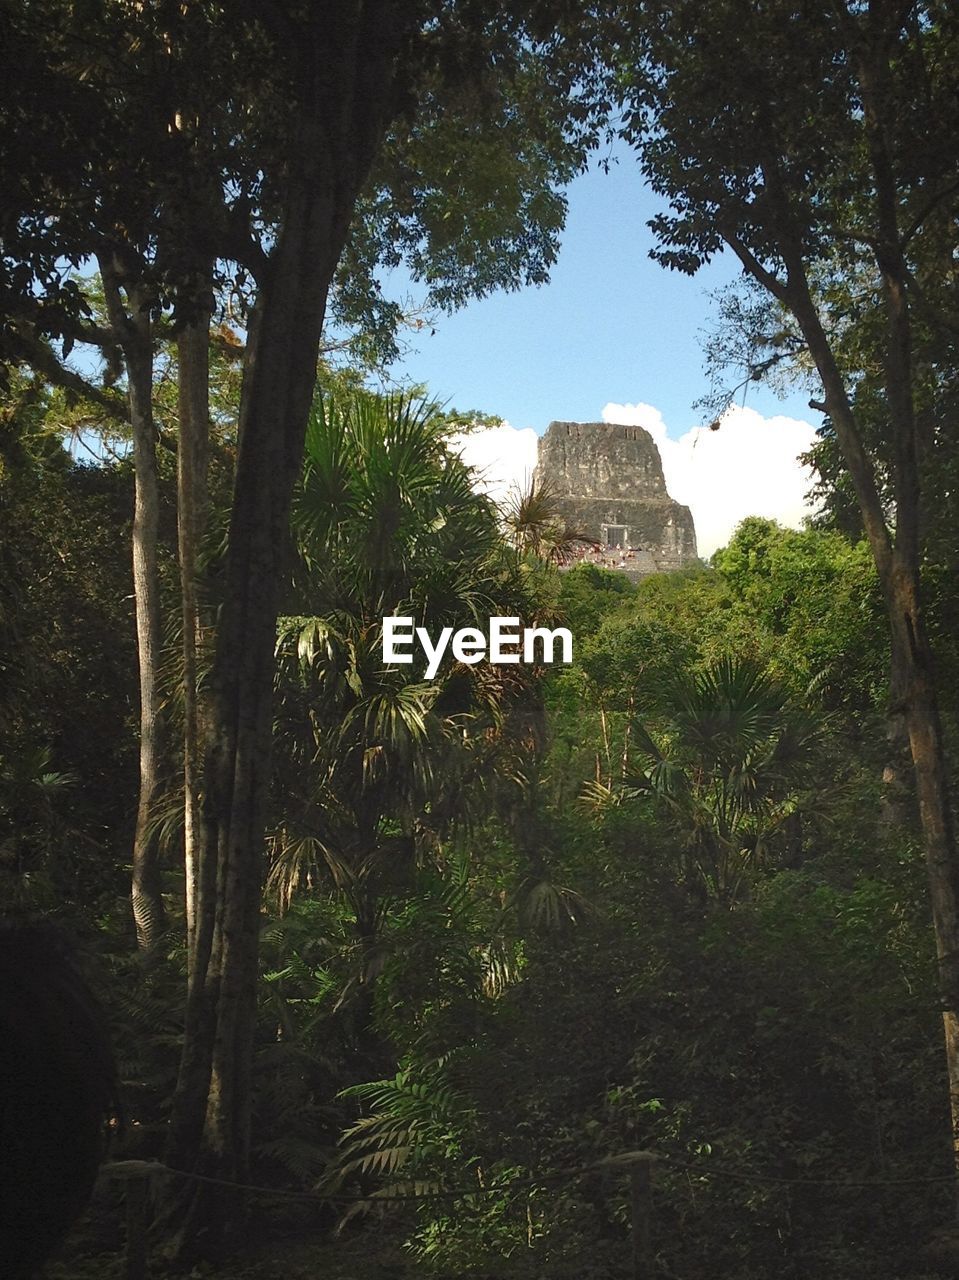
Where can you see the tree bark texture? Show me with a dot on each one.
(912, 659)
(193, 357)
(343, 105)
(212, 1109)
(135, 336)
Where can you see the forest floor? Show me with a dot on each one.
(373, 1254)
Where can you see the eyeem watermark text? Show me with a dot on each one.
(506, 643)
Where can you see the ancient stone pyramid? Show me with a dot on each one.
(608, 483)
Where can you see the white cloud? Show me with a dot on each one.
(503, 457)
(749, 467)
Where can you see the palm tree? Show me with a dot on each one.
(536, 527)
(732, 760)
(33, 833)
(385, 507)
(374, 765)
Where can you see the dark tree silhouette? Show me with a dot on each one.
(57, 1093)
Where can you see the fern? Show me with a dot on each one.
(418, 1119)
(298, 1156)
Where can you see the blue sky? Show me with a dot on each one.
(612, 325)
(615, 337)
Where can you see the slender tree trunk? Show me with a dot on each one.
(913, 682)
(897, 560)
(193, 347)
(913, 658)
(914, 690)
(911, 649)
(135, 335)
(793, 831)
(606, 747)
(211, 1123)
(896, 801)
(373, 1052)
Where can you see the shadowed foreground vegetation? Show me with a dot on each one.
(518, 920)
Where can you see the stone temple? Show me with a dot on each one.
(608, 483)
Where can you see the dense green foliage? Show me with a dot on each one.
(516, 926)
(67, 662)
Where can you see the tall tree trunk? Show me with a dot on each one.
(898, 565)
(210, 1128)
(135, 336)
(912, 657)
(897, 559)
(193, 351)
(344, 64)
(914, 689)
(897, 798)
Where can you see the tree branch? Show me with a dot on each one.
(916, 224)
(41, 357)
(752, 264)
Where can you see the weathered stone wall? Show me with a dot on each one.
(597, 459)
(605, 474)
